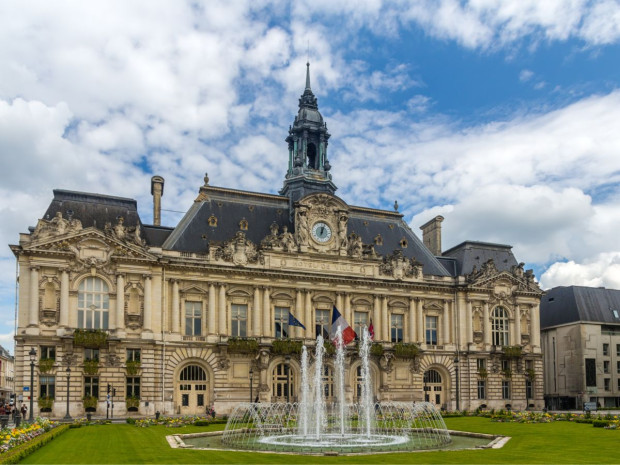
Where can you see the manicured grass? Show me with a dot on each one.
(557, 442)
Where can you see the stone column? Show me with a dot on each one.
(411, 337)
(256, 314)
(469, 321)
(420, 316)
(310, 326)
(517, 334)
(347, 309)
(446, 323)
(33, 313)
(376, 318)
(64, 298)
(295, 331)
(148, 303)
(176, 311)
(223, 320)
(211, 310)
(486, 325)
(535, 325)
(119, 321)
(267, 320)
(385, 319)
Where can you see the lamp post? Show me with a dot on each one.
(527, 400)
(33, 357)
(68, 370)
(288, 379)
(251, 384)
(456, 370)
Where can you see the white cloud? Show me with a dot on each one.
(601, 270)
(525, 75)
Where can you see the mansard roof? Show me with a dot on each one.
(470, 254)
(570, 304)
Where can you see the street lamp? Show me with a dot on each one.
(33, 358)
(251, 383)
(68, 370)
(288, 378)
(456, 368)
(527, 400)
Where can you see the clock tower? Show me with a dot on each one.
(308, 166)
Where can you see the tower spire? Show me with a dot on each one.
(308, 76)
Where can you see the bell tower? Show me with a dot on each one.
(308, 167)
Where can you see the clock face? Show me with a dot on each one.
(321, 232)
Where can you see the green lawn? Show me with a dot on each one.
(557, 442)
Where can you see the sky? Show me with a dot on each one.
(501, 116)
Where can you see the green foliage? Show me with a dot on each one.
(132, 367)
(512, 352)
(286, 347)
(241, 345)
(90, 338)
(91, 367)
(46, 364)
(131, 421)
(45, 402)
(202, 423)
(531, 374)
(600, 423)
(507, 373)
(406, 350)
(22, 451)
(330, 349)
(90, 402)
(376, 349)
(483, 373)
(132, 402)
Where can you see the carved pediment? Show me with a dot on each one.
(239, 250)
(90, 247)
(503, 283)
(332, 214)
(399, 267)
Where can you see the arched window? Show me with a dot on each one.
(193, 373)
(193, 387)
(499, 328)
(312, 156)
(93, 304)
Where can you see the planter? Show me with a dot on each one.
(132, 367)
(91, 367)
(90, 403)
(90, 338)
(45, 403)
(46, 365)
(132, 403)
(406, 351)
(132, 409)
(512, 352)
(242, 346)
(286, 347)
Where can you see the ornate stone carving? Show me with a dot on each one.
(342, 232)
(69, 359)
(400, 267)
(112, 360)
(356, 247)
(123, 233)
(56, 227)
(223, 364)
(487, 270)
(301, 227)
(386, 362)
(239, 251)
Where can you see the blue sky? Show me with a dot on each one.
(502, 116)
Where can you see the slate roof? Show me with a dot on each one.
(93, 209)
(472, 253)
(569, 304)
(156, 235)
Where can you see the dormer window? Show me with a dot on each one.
(378, 240)
(243, 225)
(616, 315)
(404, 243)
(212, 221)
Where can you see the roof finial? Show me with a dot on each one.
(308, 75)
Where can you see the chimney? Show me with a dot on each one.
(157, 190)
(431, 235)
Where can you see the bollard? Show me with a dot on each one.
(157, 415)
(89, 416)
(18, 420)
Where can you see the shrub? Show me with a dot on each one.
(45, 402)
(286, 347)
(91, 367)
(405, 350)
(376, 349)
(132, 402)
(483, 373)
(90, 402)
(512, 352)
(132, 367)
(46, 364)
(131, 421)
(600, 423)
(91, 338)
(202, 423)
(241, 345)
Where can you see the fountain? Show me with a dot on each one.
(313, 426)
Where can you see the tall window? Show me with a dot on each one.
(360, 319)
(322, 323)
(529, 389)
(605, 349)
(93, 304)
(481, 364)
(500, 327)
(91, 354)
(482, 389)
(91, 386)
(280, 382)
(606, 366)
(590, 372)
(431, 330)
(328, 383)
(281, 316)
(47, 386)
(239, 315)
(48, 352)
(193, 318)
(133, 355)
(505, 389)
(607, 382)
(133, 387)
(396, 328)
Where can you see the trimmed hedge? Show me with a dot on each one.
(600, 423)
(22, 451)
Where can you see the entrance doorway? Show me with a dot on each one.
(433, 388)
(192, 390)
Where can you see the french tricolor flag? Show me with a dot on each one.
(347, 332)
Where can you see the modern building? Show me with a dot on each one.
(580, 331)
(7, 376)
(176, 319)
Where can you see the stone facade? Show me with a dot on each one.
(176, 319)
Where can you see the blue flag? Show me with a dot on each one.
(292, 321)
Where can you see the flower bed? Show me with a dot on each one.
(508, 416)
(176, 422)
(11, 438)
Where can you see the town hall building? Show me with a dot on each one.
(204, 313)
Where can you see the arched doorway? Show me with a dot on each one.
(192, 390)
(312, 157)
(434, 391)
